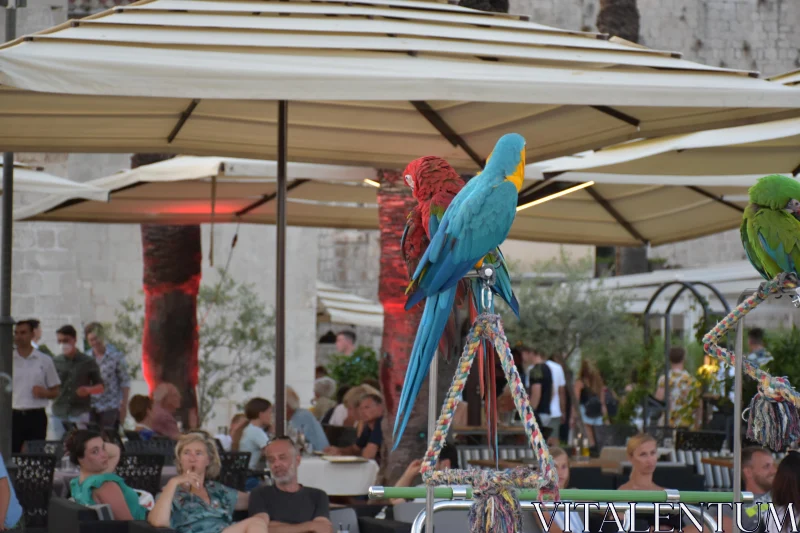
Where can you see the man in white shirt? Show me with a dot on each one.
(35, 384)
(558, 401)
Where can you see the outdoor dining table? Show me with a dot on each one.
(338, 476)
(724, 462)
(480, 431)
(62, 479)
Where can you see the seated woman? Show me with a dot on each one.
(141, 409)
(97, 484)
(193, 503)
(370, 438)
(234, 436)
(561, 459)
(643, 456)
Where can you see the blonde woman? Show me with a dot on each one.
(346, 414)
(642, 452)
(193, 503)
(561, 460)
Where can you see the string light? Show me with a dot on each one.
(373, 183)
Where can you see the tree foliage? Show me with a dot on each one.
(352, 370)
(236, 339)
(559, 317)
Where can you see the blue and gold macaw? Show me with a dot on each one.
(475, 224)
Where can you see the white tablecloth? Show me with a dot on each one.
(337, 479)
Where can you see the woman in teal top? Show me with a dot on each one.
(97, 484)
(192, 503)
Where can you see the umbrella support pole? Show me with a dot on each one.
(6, 322)
(7, 236)
(280, 272)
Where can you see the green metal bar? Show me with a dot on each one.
(638, 496)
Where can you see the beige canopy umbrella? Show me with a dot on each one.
(676, 187)
(195, 190)
(373, 82)
(180, 191)
(667, 188)
(33, 179)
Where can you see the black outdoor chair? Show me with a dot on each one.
(234, 469)
(33, 483)
(662, 434)
(51, 447)
(141, 471)
(132, 435)
(165, 447)
(340, 436)
(699, 440)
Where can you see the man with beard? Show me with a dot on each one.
(292, 508)
(758, 472)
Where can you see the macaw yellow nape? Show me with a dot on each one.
(770, 227)
(476, 222)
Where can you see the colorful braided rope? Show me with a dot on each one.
(494, 484)
(773, 419)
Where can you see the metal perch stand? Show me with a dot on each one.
(487, 274)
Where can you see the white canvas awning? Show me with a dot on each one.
(337, 306)
(377, 82)
(788, 78)
(674, 187)
(180, 191)
(31, 179)
(730, 279)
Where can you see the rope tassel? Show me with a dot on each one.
(773, 419)
(495, 509)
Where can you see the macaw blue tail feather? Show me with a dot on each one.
(431, 326)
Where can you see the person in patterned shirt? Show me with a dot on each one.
(110, 408)
(681, 384)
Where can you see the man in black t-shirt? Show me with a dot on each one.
(290, 506)
(541, 391)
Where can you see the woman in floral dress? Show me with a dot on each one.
(193, 503)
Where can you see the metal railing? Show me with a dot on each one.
(457, 505)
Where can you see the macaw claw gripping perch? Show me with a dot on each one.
(496, 508)
(785, 280)
(773, 419)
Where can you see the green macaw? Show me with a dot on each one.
(771, 226)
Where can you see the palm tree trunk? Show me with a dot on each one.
(171, 278)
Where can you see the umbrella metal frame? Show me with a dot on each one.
(6, 234)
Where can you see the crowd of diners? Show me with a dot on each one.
(93, 386)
